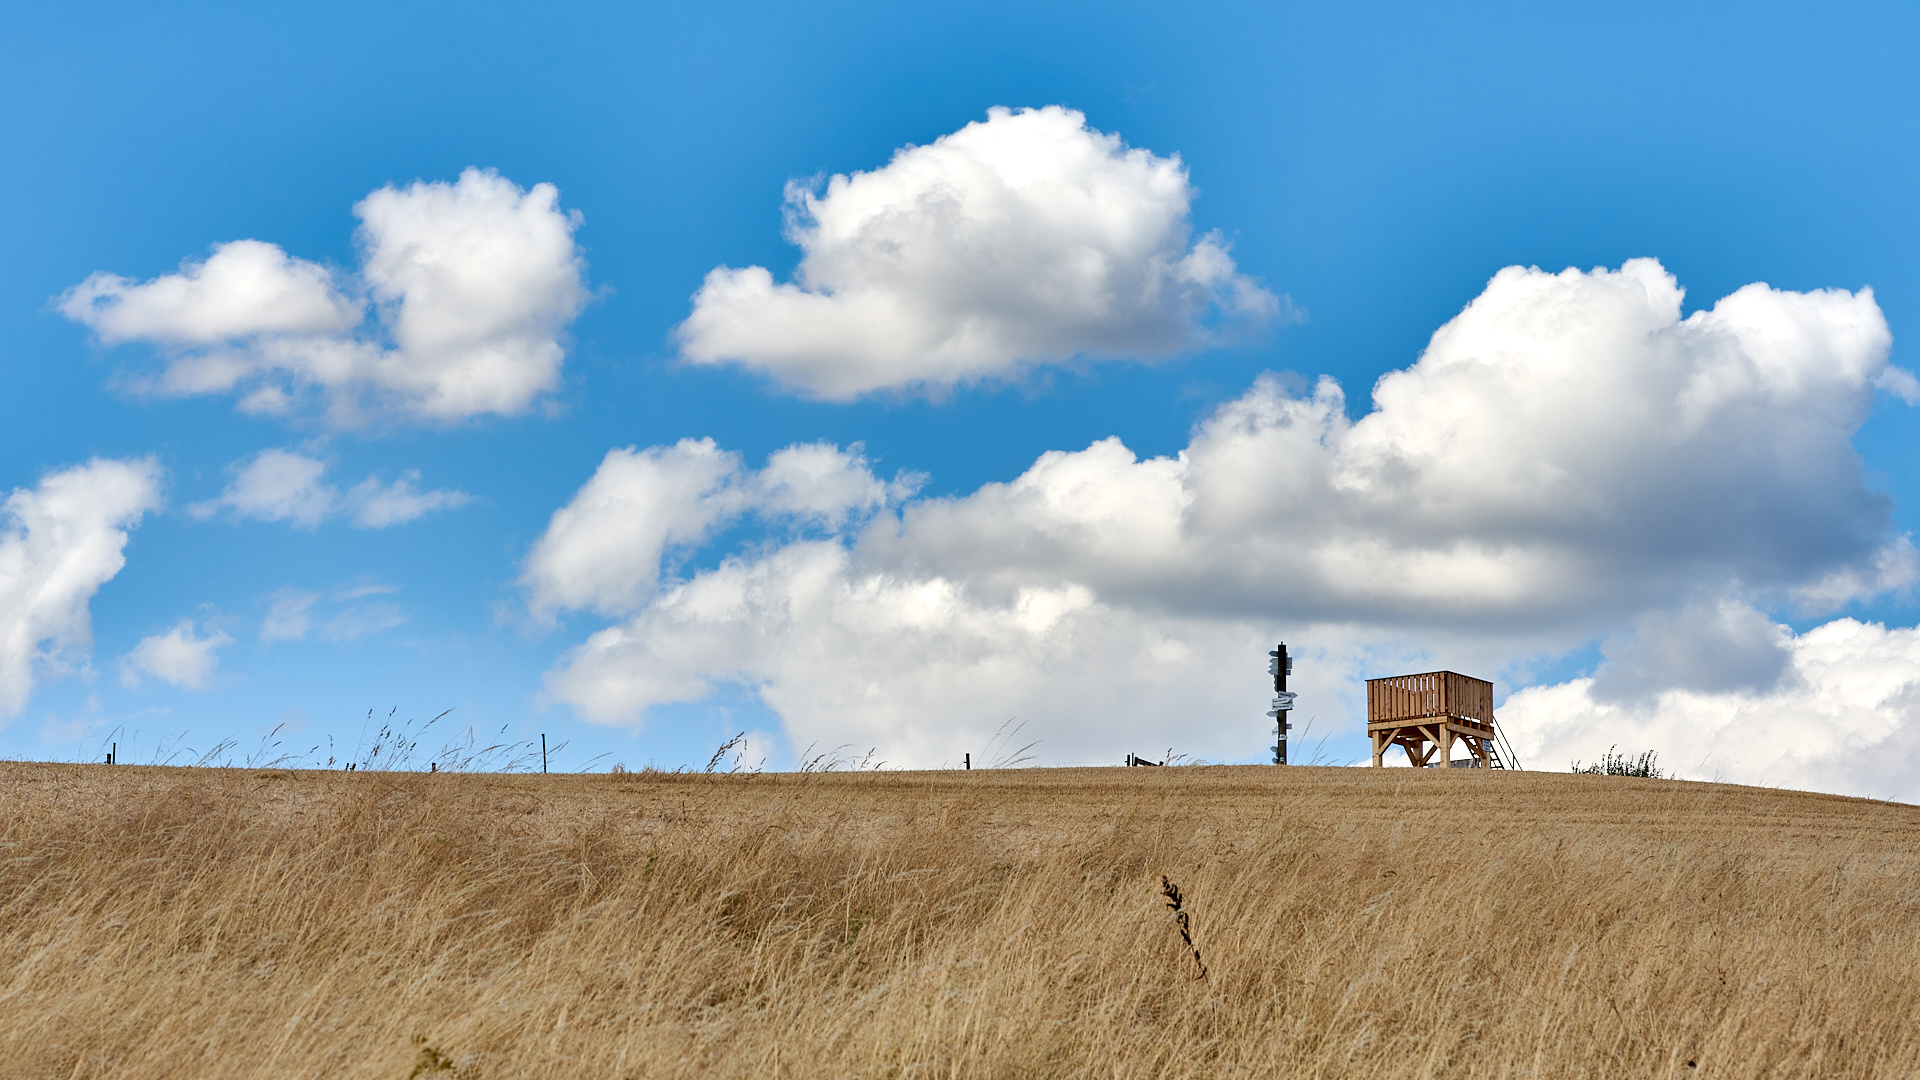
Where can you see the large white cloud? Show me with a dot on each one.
(921, 669)
(1567, 449)
(284, 485)
(1569, 455)
(1839, 712)
(61, 540)
(1027, 238)
(464, 293)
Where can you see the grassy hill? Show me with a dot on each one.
(1367, 923)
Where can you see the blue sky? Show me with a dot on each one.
(1370, 167)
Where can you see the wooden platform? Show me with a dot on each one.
(1426, 714)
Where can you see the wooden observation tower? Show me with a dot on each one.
(1426, 714)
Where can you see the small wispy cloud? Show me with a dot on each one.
(284, 485)
(361, 620)
(374, 505)
(290, 615)
(179, 656)
(344, 614)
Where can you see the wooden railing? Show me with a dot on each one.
(1434, 693)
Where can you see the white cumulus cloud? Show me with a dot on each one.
(178, 656)
(1027, 238)
(458, 310)
(1568, 459)
(1567, 448)
(283, 485)
(919, 667)
(603, 550)
(59, 542)
(245, 289)
(1839, 710)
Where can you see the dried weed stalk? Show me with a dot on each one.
(1172, 892)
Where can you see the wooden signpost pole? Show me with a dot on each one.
(1280, 666)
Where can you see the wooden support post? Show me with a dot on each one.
(1416, 744)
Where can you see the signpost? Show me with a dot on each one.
(1280, 665)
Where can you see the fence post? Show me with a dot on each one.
(543, 752)
(967, 760)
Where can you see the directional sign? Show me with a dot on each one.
(1283, 700)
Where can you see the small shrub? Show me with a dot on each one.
(1614, 763)
(432, 1063)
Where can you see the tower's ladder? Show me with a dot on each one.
(1498, 743)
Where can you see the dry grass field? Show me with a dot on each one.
(1353, 923)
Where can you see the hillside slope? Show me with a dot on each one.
(1368, 923)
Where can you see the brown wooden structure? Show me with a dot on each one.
(1424, 715)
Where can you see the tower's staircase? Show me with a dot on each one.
(1500, 751)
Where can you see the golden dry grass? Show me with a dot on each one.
(1390, 923)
